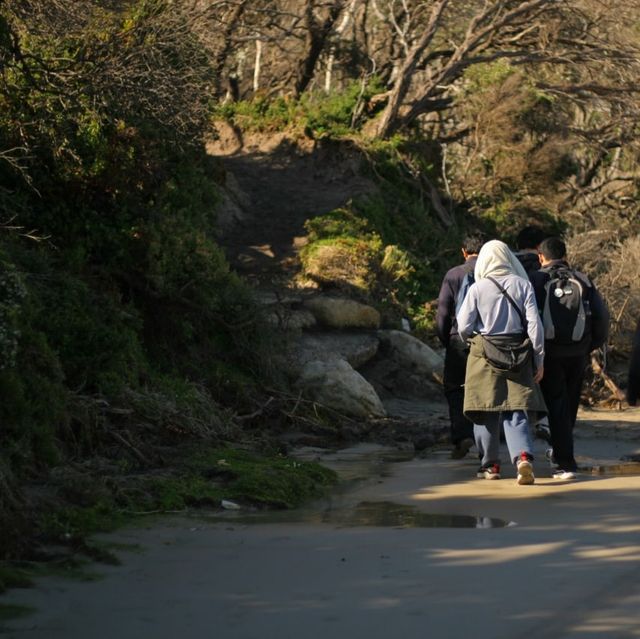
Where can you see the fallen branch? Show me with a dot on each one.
(256, 413)
(139, 456)
(608, 382)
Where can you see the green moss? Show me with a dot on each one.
(405, 247)
(10, 611)
(342, 222)
(69, 521)
(267, 480)
(206, 478)
(178, 493)
(13, 577)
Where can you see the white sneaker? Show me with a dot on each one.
(492, 471)
(525, 472)
(565, 475)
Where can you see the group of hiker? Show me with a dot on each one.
(518, 328)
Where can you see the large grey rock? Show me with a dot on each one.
(357, 348)
(277, 297)
(337, 385)
(412, 353)
(337, 312)
(390, 379)
(289, 319)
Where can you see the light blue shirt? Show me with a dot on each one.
(487, 311)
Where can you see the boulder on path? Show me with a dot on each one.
(355, 348)
(289, 319)
(336, 312)
(412, 353)
(337, 385)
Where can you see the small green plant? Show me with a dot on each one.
(482, 76)
(12, 576)
(273, 480)
(12, 611)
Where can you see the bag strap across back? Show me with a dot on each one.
(512, 301)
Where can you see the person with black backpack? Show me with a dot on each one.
(454, 287)
(576, 322)
(527, 243)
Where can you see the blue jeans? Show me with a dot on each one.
(516, 433)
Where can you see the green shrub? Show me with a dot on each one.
(340, 113)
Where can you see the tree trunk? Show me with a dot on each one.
(315, 41)
(257, 65)
(328, 77)
(227, 46)
(389, 119)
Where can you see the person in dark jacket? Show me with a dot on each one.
(565, 363)
(455, 360)
(527, 243)
(633, 385)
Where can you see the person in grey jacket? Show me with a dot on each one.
(495, 399)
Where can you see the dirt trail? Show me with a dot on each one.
(283, 182)
(432, 551)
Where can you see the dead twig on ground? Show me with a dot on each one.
(618, 395)
(256, 413)
(137, 454)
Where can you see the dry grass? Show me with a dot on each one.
(615, 267)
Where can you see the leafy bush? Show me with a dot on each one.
(338, 114)
(127, 283)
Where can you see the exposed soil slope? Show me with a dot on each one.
(282, 182)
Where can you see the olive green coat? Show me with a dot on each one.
(486, 391)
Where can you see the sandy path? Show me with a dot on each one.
(568, 569)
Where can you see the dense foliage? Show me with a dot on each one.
(111, 279)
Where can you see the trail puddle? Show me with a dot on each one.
(356, 466)
(381, 514)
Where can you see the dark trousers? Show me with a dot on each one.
(561, 386)
(455, 366)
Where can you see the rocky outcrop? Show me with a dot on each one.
(338, 312)
(291, 319)
(411, 353)
(337, 385)
(353, 347)
(337, 358)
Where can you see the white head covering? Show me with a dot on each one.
(496, 259)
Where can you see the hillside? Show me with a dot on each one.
(161, 297)
(274, 183)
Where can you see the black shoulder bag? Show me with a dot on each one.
(508, 353)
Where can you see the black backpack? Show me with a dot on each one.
(467, 280)
(565, 314)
